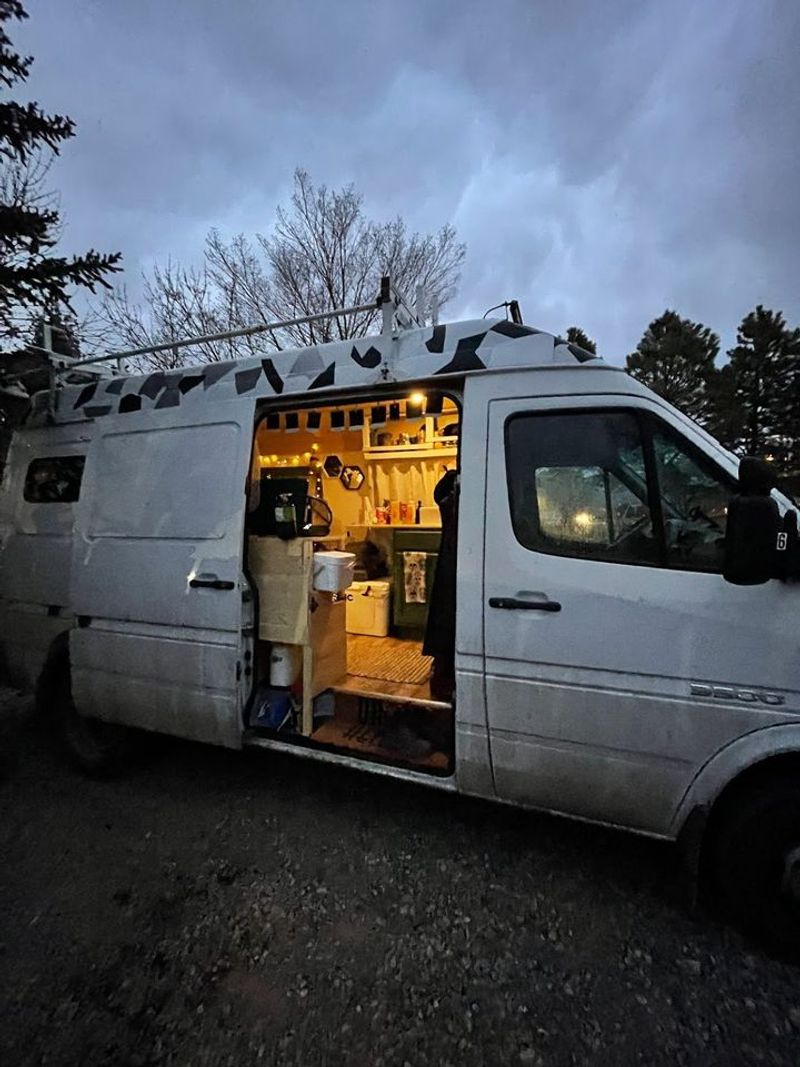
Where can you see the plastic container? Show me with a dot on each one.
(285, 662)
(429, 516)
(333, 571)
(368, 606)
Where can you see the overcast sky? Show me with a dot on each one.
(603, 159)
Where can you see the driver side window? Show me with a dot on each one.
(578, 486)
(694, 502)
(614, 486)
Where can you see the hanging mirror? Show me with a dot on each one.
(352, 477)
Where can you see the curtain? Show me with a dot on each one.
(407, 479)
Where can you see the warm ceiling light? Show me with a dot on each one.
(417, 399)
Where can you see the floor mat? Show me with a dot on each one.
(387, 659)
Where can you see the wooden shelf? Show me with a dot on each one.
(378, 452)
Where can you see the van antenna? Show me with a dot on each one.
(513, 311)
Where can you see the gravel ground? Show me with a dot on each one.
(219, 908)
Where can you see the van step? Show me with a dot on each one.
(371, 689)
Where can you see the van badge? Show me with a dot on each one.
(730, 692)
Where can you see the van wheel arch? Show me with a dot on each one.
(98, 749)
(743, 817)
(762, 772)
(56, 663)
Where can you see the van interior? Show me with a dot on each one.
(350, 552)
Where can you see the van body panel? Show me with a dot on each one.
(35, 553)
(157, 571)
(591, 709)
(174, 682)
(728, 763)
(473, 761)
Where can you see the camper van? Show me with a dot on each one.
(471, 556)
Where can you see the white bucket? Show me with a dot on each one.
(285, 662)
(333, 571)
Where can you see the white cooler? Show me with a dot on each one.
(333, 571)
(368, 606)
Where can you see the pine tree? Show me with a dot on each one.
(765, 381)
(725, 418)
(31, 277)
(576, 336)
(675, 358)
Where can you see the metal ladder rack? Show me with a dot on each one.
(397, 314)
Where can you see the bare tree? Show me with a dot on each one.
(323, 253)
(177, 302)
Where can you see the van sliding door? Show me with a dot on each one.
(156, 571)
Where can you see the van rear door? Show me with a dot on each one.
(156, 571)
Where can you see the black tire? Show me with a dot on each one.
(755, 853)
(96, 748)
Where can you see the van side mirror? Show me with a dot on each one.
(754, 522)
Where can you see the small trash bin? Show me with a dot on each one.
(333, 571)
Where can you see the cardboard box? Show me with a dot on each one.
(328, 640)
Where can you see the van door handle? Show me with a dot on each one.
(512, 603)
(211, 583)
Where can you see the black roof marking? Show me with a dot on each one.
(115, 387)
(465, 357)
(152, 385)
(247, 379)
(170, 398)
(213, 372)
(370, 359)
(436, 342)
(130, 402)
(327, 377)
(513, 329)
(581, 354)
(272, 376)
(85, 394)
(189, 381)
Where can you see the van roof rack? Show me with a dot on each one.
(397, 314)
(396, 311)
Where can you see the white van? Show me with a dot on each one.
(545, 542)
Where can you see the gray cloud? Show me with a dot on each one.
(602, 160)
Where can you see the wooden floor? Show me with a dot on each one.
(379, 687)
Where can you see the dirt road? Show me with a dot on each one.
(215, 908)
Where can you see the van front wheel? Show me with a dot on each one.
(756, 864)
(97, 748)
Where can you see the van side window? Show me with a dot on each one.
(54, 480)
(694, 502)
(582, 484)
(578, 486)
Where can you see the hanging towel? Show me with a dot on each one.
(414, 577)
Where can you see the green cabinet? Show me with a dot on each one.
(410, 615)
